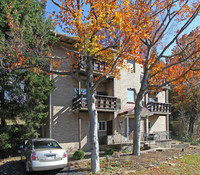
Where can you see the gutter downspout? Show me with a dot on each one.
(79, 118)
(50, 110)
(167, 117)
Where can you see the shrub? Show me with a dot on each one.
(4, 144)
(78, 155)
(194, 142)
(109, 151)
(125, 151)
(142, 148)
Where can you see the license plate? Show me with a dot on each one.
(51, 157)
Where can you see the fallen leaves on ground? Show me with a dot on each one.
(163, 162)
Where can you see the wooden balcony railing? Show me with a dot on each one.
(102, 102)
(159, 108)
(156, 135)
(97, 65)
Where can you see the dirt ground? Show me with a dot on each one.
(127, 162)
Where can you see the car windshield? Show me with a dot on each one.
(45, 144)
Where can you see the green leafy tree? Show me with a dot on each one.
(37, 89)
(24, 29)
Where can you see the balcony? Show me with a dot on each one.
(159, 108)
(103, 103)
(98, 67)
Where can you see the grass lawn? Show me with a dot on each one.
(189, 164)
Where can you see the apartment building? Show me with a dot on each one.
(115, 100)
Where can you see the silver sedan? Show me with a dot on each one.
(43, 154)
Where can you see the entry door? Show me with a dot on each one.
(131, 122)
(109, 127)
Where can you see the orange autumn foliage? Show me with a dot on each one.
(182, 70)
(103, 29)
(25, 45)
(109, 30)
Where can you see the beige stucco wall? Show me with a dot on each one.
(161, 97)
(65, 121)
(127, 80)
(158, 123)
(132, 80)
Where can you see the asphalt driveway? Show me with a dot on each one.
(15, 167)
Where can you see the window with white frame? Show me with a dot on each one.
(102, 126)
(131, 95)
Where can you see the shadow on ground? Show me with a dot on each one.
(18, 168)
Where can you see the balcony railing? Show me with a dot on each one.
(102, 102)
(97, 65)
(157, 135)
(159, 108)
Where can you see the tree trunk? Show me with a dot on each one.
(95, 165)
(191, 125)
(138, 109)
(136, 138)
(3, 120)
(2, 98)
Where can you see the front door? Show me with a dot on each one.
(131, 122)
(109, 127)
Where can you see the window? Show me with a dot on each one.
(101, 93)
(126, 128)
(150, 125)
(102, 126)
(45, 144)
(153, 99)
(83, 91)
(131, 65)
(131, 95)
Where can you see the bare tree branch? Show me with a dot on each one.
(178, 62)
(188, 22)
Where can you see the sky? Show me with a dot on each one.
(51, 7)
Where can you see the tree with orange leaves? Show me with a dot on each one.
(112, 31)
(104, 32)
(185, 91)
(161, 69)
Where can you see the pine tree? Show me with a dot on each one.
(23, 92)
